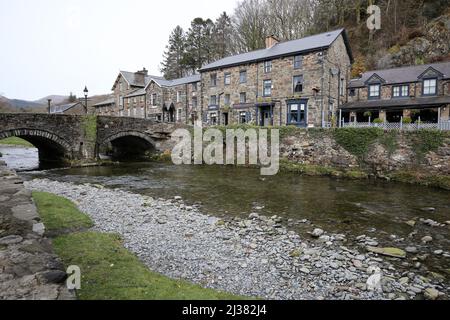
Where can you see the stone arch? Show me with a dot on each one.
(51, 147)
(128, 144)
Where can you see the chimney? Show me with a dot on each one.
(140, 76)
(271, 41)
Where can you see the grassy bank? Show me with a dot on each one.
(108, 270)
(14, 141)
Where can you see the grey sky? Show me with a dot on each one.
(55, 47)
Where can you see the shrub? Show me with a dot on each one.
(357, 140)
(377, 120)
(406, 120)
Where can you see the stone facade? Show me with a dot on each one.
(320, 148)
(412, 102)
(223, 89)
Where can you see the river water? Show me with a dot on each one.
(377, 209)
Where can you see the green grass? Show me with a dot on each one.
(15, 141)
(108, 270)
(58, 213)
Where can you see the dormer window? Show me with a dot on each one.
(374, 91)
(429, 87)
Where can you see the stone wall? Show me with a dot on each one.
(29, 269)
(319, 147)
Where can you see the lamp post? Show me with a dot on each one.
(49, 103)
(86, 91)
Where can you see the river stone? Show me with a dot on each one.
(431, 294)
(438, 252)
(12, 239)
(253, 215)
(390, 252)
(411, 223)
(427, 239)
(317, 233)
(411, 249)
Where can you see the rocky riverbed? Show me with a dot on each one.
(256, 256)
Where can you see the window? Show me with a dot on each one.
(194, 102)
(298, 84)
(120, 86)
(134, 100)
(213, 118)
(194, 86)
(242, 97)
(298, 62)
(227, 99)
(267, 66)
(243, 76)
(267, 88)
(352, 92)
(374, 91)
(227, 79)
(429, 86)
(213, 80)
(297, 114)
(342, 87)
(120, 101)
(213, 100)
(154, 99)
(178, 114)
(142, 98)
(242, 117)
(178, 96)
(400, 91)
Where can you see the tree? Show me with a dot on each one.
(173, 65)
(222, 37)
(199, 44)
(72, 98)
(251, 25)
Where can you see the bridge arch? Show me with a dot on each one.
(128, 144)
(51, 147)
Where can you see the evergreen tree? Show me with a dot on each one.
(173, 60)
(222, 36)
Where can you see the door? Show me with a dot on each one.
(225, 118)
(266, 118)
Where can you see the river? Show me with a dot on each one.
(377, 209)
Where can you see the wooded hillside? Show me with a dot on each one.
(408, 35)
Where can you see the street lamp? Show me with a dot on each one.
(49, 105)
(86, 91)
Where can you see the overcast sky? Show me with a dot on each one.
(55, 47)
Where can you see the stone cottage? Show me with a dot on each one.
(413, 93)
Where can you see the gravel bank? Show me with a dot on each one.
(253, 257)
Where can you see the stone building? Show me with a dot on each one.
(301, 82)
(413, 93)
(128, 92)
(105, 108)
(173, 100)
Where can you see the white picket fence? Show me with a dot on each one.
(443, 125)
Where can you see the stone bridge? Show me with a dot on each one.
(75, 137)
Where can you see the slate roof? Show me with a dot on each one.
(400, 103)
(63, 108)
(106, 102)
(401, 75)
(136, 93)
(176, 82)
(311, 43)
(131, 78)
